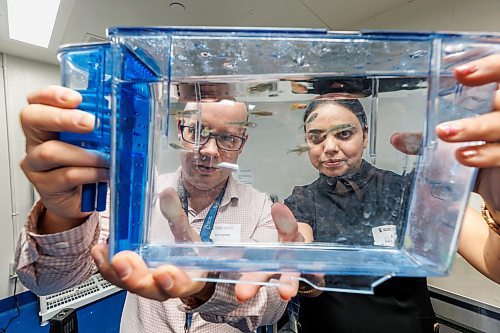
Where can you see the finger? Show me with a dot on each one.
(289, 285)
(136, 277)
(39, 122)
(286, 224)
(481, 128)
(57, 96)
(481, 156)
(176, 282)
(496, 101)
(54, 154)
(248, 285)
(63, 179)
(407, 142)
(171, 208)
(480, 71)
(99, 253)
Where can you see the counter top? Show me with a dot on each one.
(466, 284)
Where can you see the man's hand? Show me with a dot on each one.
(55, 168)
(128, 271)
(289, 231)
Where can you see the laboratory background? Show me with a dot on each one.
(464, 301)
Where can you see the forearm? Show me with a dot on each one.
(47, 263)
(480, 245)
(491, 251)
(50, 223)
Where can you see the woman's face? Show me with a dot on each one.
(336, 140)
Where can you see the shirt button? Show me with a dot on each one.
(61, 245)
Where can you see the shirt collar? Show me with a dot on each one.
(231, 194)
(347, 184)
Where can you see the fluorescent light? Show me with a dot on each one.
(32, 21)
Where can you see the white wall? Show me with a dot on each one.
(20, 76)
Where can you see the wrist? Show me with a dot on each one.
(491, 218)
(203, 295)
(50, 222)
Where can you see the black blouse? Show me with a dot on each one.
(344, 210)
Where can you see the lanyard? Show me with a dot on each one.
(205, 232)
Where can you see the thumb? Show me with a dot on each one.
(406, 142)
(288, 229)
(171, 209)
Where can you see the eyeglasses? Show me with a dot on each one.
(224, 141)
(444, 191)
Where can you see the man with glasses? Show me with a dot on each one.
(199, 196)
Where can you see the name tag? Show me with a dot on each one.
(226, 233)
(384, 235)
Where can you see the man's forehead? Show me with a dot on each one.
(223, 105)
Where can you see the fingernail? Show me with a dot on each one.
(450, 128)
(106, 158)
(85, 120)
(165, 281)
(466, 69)
(122, 268)
(467, 153)
(66, 95)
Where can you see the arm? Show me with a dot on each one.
(49, 263)
(53, 251)
(486, 257)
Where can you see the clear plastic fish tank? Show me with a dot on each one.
(339, 126)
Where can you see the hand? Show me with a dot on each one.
(289, 231)
(55, 168)
(482, 128)
(127, 270)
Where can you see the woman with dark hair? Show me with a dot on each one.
(351, 203)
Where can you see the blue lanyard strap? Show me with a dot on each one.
(209, 221)
(205, 232)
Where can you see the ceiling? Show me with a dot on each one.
(79, 18)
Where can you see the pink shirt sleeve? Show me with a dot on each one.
(53, 262)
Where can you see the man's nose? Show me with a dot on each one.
(210, 147)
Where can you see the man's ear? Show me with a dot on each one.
(179, 123)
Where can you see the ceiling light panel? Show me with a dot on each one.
(32, 21)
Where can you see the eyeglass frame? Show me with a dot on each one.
(215, 136)
(437, 185)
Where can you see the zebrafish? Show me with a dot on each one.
(262, 87)
(310, 119)
(183, 113)
(299, 88)
(340, 128)
(299, 149)
(180, 147)
(206, 132)
(261, 113)
(245, 124)
(298, 106)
